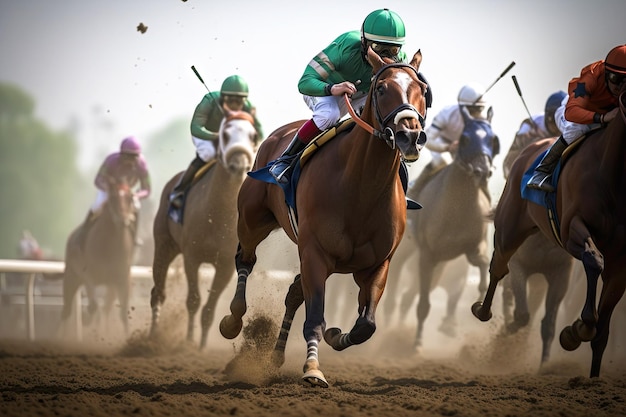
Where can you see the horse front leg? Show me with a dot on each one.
(426, 271)
(612, 291)
(314, 273)
(193, 295)
(223, 275)
(163, 257)
(371, 286)
(231, 324)
(293, 301)
(497, 270)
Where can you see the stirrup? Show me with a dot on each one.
(176, 199)
(280, 168)
(542, 184)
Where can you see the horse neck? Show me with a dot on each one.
(459, 180)
(613, 143)
(225, 186)
(377, 161)
(111, 219)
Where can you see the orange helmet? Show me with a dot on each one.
(616, 60)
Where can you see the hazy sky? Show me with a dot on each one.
(85, 60)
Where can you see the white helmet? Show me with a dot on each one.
(471, 95)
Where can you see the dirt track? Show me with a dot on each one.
(386, 378)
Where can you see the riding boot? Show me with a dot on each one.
(284, 163)
(543, 172)
(176, 196)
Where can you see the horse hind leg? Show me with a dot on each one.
(557, 288)
(231, 324)
(293, 301)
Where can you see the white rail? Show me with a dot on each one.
(31, 268)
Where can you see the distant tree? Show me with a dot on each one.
(38, 176)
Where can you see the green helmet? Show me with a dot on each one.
(383, 26)
(234, 86)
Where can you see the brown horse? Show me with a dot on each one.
(453, 222)
(207, 233)
(523, 293)
(351, 211)
(589, 210)
(105, 256)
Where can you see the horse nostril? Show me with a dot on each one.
(421, 138)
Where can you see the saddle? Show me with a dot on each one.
(289, 189)
(548, 199)
(177, 214)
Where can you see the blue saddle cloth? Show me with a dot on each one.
(289, 189)
(543, 198)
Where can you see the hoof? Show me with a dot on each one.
(230, 327)
(583, 331)
(315, 378)
(568, 340)
(331, 334)
(480, 313)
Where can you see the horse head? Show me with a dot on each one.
(238, 140)
(477, 147)
(121, 202)
(398, 98)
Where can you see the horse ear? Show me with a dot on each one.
(374, 59)
(417, 60)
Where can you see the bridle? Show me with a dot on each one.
(404, 110)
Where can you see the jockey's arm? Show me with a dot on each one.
(144, 181)
(102, 177)
(201, 117)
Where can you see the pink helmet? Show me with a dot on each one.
(131, 146)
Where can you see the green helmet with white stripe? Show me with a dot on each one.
(383, 26)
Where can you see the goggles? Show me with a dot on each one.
(615, 78)
(386, 49)
(234, 99)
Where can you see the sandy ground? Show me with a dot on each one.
(480, 372)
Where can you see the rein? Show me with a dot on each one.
(403, 110)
